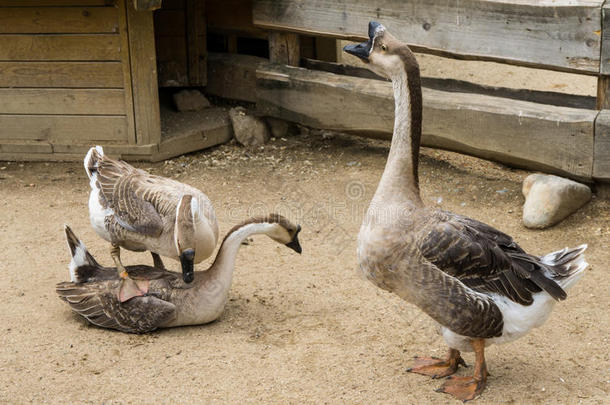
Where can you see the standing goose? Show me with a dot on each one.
(93, 289)
(473, 280)
(138, 211)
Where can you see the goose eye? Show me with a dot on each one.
(384, 47)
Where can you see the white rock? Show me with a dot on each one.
(248, 130)
(549, 199)
(190, 100)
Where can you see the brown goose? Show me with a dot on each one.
(138, 211)
(473, 280)
(93, 289)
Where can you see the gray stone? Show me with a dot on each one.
(248, 130)
(190, 100)
(549, 199)
(279, 128)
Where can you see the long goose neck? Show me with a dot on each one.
(221, 270)
(400, 178)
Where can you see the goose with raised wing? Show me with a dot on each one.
(169, 301)
(476, 282)
(135, 210)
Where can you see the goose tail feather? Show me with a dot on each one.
(81, 258)
(92, 158)
(566, 266)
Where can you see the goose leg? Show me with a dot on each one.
(129, 288)
(467, 388)
(157, 262)
(437, 368)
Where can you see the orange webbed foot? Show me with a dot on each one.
(438, 368)
(463, 388)
(132, 288)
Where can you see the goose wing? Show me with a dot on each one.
(98, 303)
(122, 189)
(486, 259)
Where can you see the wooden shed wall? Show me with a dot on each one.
(64, 75)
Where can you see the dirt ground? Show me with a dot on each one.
(298, 328)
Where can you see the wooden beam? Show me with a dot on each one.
(284, 48)
(560, 35)
(233, 76)
(147, 5)
(61, 74)
(143, 64)
(601, 157)
(519, 133)
(49, 20)
(85, 47)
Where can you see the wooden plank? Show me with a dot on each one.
(170, 23)
(601, 156)
(233, 76)
(144, 75)
(74, 128)
(561, 35)
(196, 41)
(327, 49)
(60, 47)
(61, 74)
(49, 20)
(519, 133)
(232, 16)
(62, 101)
(54, 3)
(147, 5)
(603, 92)
(284, 48)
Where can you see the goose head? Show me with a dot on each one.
(184, 235)
(283, 231)
(382, 53)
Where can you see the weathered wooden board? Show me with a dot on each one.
(284, 48)
(196, 42)
(562, 34)
(605, 48)
(54, 3)
(232, 16)
(62, 101)
(520, 133)
(61, 74)
(171, 61)
(75, 128)
(601, 157)
(48, 20)
(233, 76)
(144, 75)
(127, 75)
(60, 47)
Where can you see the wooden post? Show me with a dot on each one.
(603, 81)
(143, 61)
(284, 48)
(196, 42)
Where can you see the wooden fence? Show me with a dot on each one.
(563, 134)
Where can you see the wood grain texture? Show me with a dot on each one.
(562, 35)
(48, 20)
(62, 101)
(196, 42)
(61, 74)
(55, 3)
(60, 47)
(601, 157)
(147, 5)
(284, 48)
(126, 66)
(519, 133)
(76, 128)
(605, 37)
(143, 64)
(233, 76)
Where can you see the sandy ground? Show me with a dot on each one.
(298, 328)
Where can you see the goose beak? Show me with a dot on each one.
(186, 260)
(363, 50)
(294, 243)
